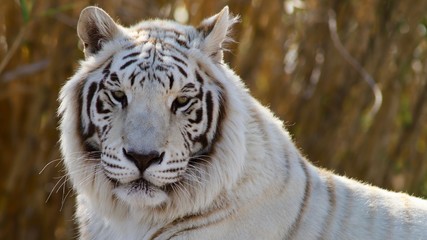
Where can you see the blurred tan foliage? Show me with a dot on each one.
(285, 52)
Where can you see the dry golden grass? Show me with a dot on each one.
(313, 78)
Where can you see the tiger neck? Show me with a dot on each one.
(269, 150)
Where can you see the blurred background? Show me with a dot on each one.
(347, 77)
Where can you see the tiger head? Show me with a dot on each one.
(144, 116)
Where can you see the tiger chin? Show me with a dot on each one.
(161, 140)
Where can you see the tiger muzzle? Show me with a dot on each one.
(144, 160)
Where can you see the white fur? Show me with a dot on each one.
(253, 186)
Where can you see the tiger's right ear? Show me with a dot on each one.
(94, 28)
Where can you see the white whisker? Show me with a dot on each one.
(53, 189)
(47, 164)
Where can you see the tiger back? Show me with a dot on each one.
(161, 140)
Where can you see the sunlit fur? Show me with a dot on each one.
(229, 169)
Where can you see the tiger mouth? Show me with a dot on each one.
(140, 193)
(140, 184)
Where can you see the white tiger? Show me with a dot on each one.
(162, 140)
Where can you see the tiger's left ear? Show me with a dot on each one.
(214, 32)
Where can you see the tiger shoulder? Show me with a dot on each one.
(162, 140)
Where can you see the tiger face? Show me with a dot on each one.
(148, 112)
(151, 113)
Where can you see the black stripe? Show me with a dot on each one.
(80, 110)
(179, 60)
(144, 67)
(186, 143)
(92, 151)
(194, 222)
(131, 55)
(171, 80)
(303, 207)
(288, 169)
(106, 70)
(108, 172)
(161, 68)
(91, 127)
(104, 128)
(188, 85)
(330, 187)
(182, 43)
(221, 115)
(128, 63)
(209, 109)
(168, 45)
(199, 114)
(142, 80)
(132, 77)
(148, 55)
(130, 46)
(203, 138)
(167, 66)
(174, 108)
(188, 108)
(100, 106)
(182, 71)
(109, 98)
(92, 89)
(171, 170)
(199, 78)
(113, 165)
(200, 94)
(107, 129)
(114, 77)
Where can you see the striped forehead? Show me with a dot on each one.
(150, 45)
(162, 35)
(156, 60)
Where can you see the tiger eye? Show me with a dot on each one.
(118, 95)
(182, 100)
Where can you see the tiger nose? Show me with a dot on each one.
(143, 160)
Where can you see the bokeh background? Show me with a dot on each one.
(322, 66)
